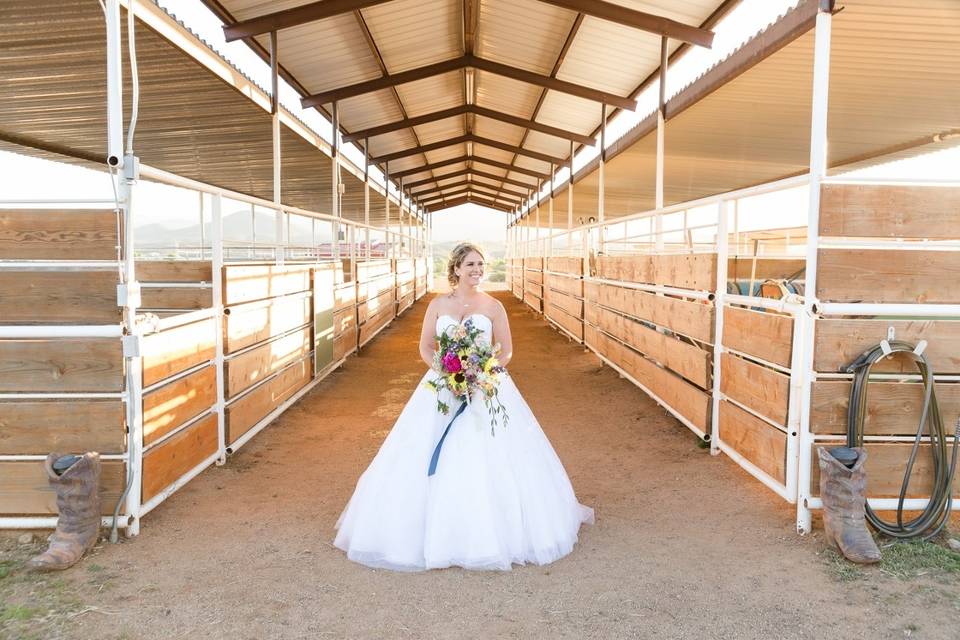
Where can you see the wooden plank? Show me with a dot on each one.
(249, 324)
(890, 211)
(61, 365)
(403, 266)
(246, 283)
(344, 344)
(344, 296)
(247, 411)
(174, 271)
(374, 306)
(191, 298)
(178, 349)
(591, 313)
(367, 270)
(375, 287)
(573, 266)
(375, 323)
(693, 271)
(568, 285)
(535, 277)
(766, 335)
(61, 297)
(885, 466)
(764, 390)
(565, 320)
(173, 404)
(573, 306)
(533, 263)
(405, 289)
(24, 489)
(518, 291)
(245, 370)
(533, 288)
(53, 234)
(35, 427)
(692, 319)
(888, 275)
(405, 303)
(755, 440)
(169, 461)
(893, 408)
(533, 302)
(686, 399)
(741, 267)
(839, 342)
(344, 321)
(685, 359)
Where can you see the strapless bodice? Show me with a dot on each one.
(480, 321)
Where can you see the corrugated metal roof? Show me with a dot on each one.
(894, 83)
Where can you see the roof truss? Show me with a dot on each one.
(464, 109)
(482, 185)
(469, 171)
(496, 144)
(469, 60)
(638, 20)
(470, 199)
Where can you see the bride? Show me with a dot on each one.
(494, 500)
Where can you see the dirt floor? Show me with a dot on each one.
(685, 545)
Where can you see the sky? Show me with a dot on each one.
(25, 177)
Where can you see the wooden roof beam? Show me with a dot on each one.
(463, 183)
(638, 20)
(463, 109)
(292, 17)
(360, 88)
(468, 191)
(396, 175)
(456, 202)
(496, 144)
(463, 172)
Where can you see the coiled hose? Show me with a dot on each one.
(933, 518)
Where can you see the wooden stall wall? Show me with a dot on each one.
(62, 271)
(376, 291)
(345, 331)
(169, 287)
(404, 269)
(421, 277)
(515, 276)
(563, 295)
(662, 341)
(905, 265)
(268, 340)
(755, 386)
(533, 283)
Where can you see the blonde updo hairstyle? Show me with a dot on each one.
(457, 257)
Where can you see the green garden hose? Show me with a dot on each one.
(933, 518)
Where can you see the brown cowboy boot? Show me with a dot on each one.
(842, 490)
(79, 506)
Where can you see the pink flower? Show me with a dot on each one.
(451, 362)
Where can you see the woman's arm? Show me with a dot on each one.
(428, 334)
(501, 334)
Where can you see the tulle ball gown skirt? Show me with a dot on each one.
(494, 500)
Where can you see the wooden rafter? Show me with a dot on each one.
(496, 144)
(470, 182)
(638, 20)
(464, 172)
(456, 202)
(547, 82)
(409, 123)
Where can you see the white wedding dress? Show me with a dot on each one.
(494, 500)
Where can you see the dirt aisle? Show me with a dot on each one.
(685, 545)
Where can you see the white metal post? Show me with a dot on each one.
(386, 208)
(216, 238)
(275, 133)
(538, 233)
(335, 181)
(366, 195)
(719, 301)
(661, 124)
(550, 215)
(601, 218)
(818, 171)
(114, 86)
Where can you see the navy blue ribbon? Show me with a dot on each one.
(436, 452)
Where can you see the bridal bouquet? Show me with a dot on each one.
(466, 365)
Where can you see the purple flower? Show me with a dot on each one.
(451, 362)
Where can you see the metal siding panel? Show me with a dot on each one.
(432, 94)
(569, 112)
(415, 33)
(523, 33)
(506, 95)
